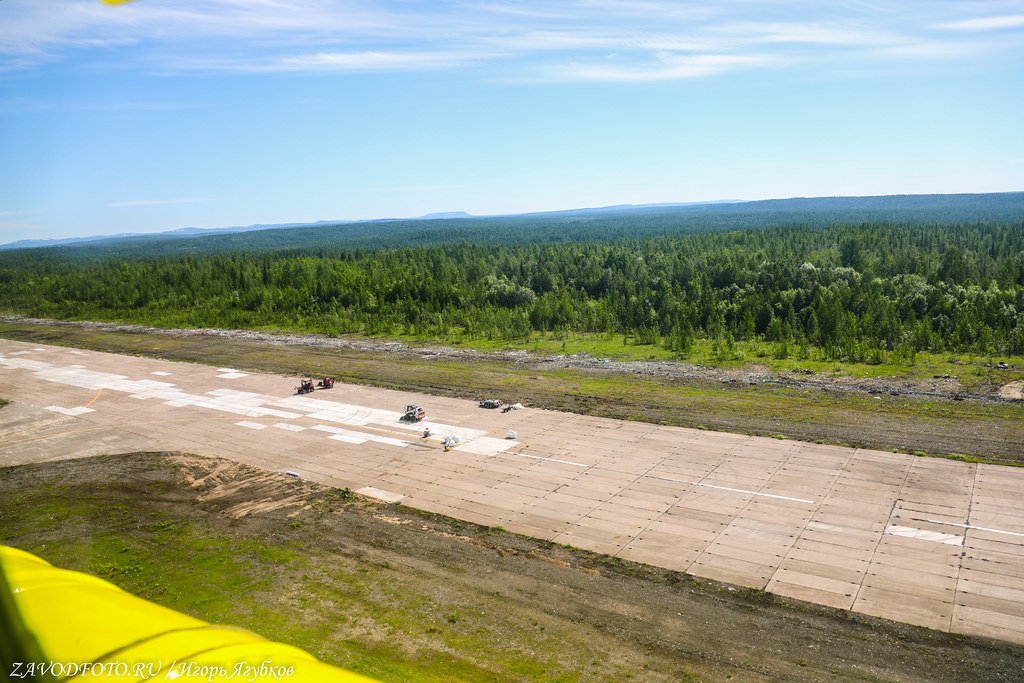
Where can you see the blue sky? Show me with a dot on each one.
(160, 114)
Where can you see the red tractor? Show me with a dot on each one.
(325, 383)
(305, 386)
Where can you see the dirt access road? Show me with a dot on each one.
(403, 595)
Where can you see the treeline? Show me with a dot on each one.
(855, 291)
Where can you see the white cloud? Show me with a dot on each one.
(656, 39)
(373, 60)
(668, 67)
(811, 33)
(986, 23)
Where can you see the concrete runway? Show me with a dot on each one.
(930, 542)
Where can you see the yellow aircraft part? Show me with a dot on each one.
(89, 629)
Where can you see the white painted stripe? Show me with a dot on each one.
(158, 372)
(487, 445)
(726, 488)
(341, 434)
(251, 425)
(537, 457)
(332, 430)
(348, 438)
(71, 411)
(289, 427)
(971, 526)
(386, 496)
(924, 535)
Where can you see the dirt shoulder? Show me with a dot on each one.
(402, 595)
(935, 416)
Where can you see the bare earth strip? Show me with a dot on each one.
(929, 542)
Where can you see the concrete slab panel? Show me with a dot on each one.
(981, 622)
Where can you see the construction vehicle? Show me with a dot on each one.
(414, 413)
(325, 383)
(305, 386)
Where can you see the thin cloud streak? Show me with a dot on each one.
(670, 67)
(366, 61)
(987, 24)
(531, 40)
(24, 212)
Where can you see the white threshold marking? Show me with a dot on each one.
(72, 412)
(924, 535)
(538, 457)
(726, 488)
(971, 526)
(251, 425)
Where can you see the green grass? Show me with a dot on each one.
(971, 369)
(352, 612)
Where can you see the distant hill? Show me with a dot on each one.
(179, 232)
(586, 224)
(208, 232)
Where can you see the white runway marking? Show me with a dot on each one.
(349, 436)
(386, 496)
(487, 445)
(537, 457)
(726, 488)
(251, 425)
(924, 535)
(70, 411)
(970, 526)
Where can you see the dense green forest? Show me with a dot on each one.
(854, 291)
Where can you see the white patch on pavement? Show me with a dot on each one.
(924, 535)
(386, 496)
(70, 411)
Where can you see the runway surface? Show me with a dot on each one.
(931, 542)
